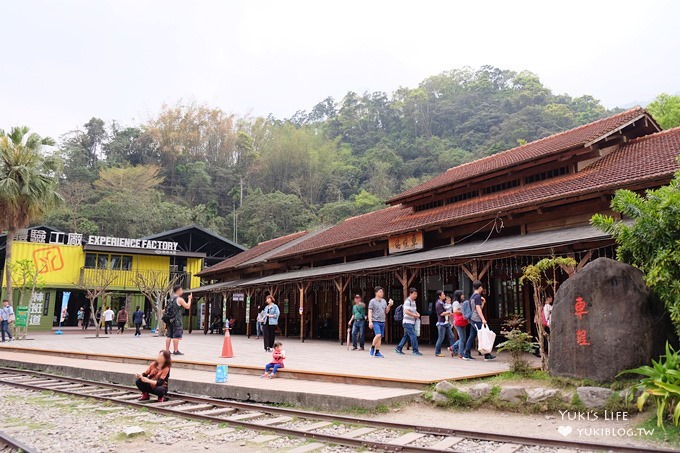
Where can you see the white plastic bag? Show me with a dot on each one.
(416, 327)
(486, 339)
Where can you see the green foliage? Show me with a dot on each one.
(652, 242)
(458, 398)
(666, 110)
(661, 381)
(518, 342)
(344, 157)
(27, 185)
(543, 275)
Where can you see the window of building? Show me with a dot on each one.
(106, 261)
(462, 196)
(91, 260)
(502, 186)
(102, 261)
(555, 172)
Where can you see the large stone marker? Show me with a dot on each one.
(605, 320)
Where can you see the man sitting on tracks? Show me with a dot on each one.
(155, 378)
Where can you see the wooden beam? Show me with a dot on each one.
(485, 269)
(467, 272)
(584, 260)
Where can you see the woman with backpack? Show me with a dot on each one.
(459, 323)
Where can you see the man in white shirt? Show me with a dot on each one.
(411, 315)
(108, 320)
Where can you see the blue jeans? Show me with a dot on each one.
(443, 331)
(462, 337)
(274, 367)
(5, 328)
(474, 325)
(409, 335)
(358, 329)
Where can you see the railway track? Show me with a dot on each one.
(10, 444)
(346, 431)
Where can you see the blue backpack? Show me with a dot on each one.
(467, 310)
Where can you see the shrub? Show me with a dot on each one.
(661, 381)
(518, 342)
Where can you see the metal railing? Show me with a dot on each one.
(126, 279)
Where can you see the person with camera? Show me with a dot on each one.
(172, 317)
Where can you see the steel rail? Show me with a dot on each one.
(343, 440)
(9, 441)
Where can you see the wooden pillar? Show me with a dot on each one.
(302, 287)
(207, 314)
(249, 294)
(406, 281)
(341, 286)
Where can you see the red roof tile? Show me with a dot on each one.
(259, 249)
(648, 158)
(540, 148)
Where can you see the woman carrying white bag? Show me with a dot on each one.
(479, 326)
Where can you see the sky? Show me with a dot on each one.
(64, 62)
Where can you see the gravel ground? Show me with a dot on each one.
(426, 441)
(476, 446)
(59, 424)
(382, 435)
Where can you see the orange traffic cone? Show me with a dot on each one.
(227, 350)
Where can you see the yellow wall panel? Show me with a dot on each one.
(150, 262)
(194, 266)
(59, 264)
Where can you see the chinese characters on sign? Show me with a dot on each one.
(39, 236)
(35, 309)
(406, 242)
(74, 239)
(579, 312)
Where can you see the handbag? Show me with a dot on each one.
(486, 339)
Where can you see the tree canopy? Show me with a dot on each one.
(341, 158)
(652, 242)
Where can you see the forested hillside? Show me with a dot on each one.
(197, 164)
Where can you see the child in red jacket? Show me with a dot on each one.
(278, 356)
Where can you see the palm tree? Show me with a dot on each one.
(27, 189)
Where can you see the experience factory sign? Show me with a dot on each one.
(132, 243)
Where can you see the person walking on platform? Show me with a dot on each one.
(137, 319)
(81, 316)
(444, 330)
(122, 319)
(272, 314)
(6, 317)
(155, 378)
(411, 316)
(459, 323)
(172, 317)
(108, 320)
(358, 322)
(377, 314)
(478, 319)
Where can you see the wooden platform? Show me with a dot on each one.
(309, 361)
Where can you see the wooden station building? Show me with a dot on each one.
(484, 220)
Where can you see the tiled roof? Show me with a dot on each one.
(259, 249)
(540, 148)
(649, 158)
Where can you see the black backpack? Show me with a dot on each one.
(170, 309)
(399, 313)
